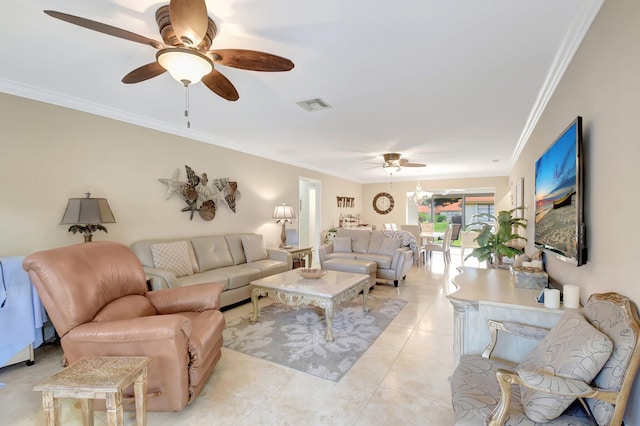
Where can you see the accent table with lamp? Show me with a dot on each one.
(298, 252)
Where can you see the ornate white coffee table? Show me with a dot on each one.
(291, 289)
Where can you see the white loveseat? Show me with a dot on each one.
(231, 259)
(392, 259)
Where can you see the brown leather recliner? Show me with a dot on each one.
(96, 296)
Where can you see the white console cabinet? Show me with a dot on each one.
(484, 294)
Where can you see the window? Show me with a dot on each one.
(442, 210)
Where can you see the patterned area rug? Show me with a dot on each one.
(295, 336)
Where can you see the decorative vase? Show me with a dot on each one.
(495, 262)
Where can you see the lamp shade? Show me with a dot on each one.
(87, 211)
(391, 168)
(284, 212)
(185, 65)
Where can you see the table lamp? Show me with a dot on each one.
(87, 215)
(283, 214)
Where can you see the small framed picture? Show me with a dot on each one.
(519, 198)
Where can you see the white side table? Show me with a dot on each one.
(298, 252)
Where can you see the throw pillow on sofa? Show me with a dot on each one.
(389, 246)
(573, 349)
(342, 244)
(173, 257)
(253, 246)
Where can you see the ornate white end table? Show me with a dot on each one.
(299, 252)
(291, 289)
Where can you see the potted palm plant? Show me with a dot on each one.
(496, 236)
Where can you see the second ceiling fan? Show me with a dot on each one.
(187, 33)
(393, 162)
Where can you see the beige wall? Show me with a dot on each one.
(602, 85)
(50, 154)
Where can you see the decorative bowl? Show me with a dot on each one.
(311, 274)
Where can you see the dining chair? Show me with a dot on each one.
(427, 228)
(467, 242)
(444, 247)
(455, 231)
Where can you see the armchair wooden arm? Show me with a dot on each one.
(512, 327)
(553, 385)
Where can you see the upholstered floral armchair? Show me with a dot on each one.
(580, 373)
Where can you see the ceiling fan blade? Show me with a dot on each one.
(189, 20)
(105, 29)
(143, 73)
(220, 85)
(406, 163)
(251, 60)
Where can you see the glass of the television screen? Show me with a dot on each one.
(559, 197)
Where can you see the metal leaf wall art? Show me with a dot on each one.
(198, 196)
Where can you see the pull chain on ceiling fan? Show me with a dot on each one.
(187, 33)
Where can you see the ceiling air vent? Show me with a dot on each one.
(314, 104)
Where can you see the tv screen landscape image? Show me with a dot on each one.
(559, 224)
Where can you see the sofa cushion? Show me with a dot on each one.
(270, 267)
(359, 238)
(254, 247)
(572, 349)
(342, 255)
(240, 275)
(383, 260)
(234, 241)
(375, 241)
(142, 249)
(212, 252)
(389, 246)
(342, 245)
(173, 257)
(211, 276)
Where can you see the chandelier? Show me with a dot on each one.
(419, 195)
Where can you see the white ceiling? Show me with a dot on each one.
(455, 84)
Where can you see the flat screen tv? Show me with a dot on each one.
(559, 197)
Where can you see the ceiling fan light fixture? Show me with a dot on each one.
(186, 66)
(391, 168)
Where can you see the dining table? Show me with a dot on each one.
(430, 236)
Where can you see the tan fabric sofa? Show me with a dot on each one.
(213, 258)
(393, 260)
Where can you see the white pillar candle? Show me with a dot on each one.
(571, 296)
(551, 298)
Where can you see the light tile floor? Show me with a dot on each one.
(402, 379)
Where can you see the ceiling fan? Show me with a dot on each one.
(393, 162)
(187, 33)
